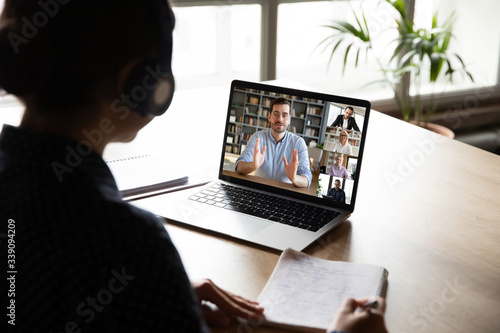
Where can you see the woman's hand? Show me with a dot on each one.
(228, 305)
(367, 320)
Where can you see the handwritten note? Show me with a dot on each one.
(306, 292)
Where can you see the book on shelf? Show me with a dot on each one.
(250, 121)
(311, 132)
(263, 123)
(314, 122)
(247, 136)
(315, 110)
(253, 100)
(234, 129)
(232, 149)
(312, 100)
(304, 292)
(251, 111)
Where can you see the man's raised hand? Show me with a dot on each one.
(291, 169)
(258, 156)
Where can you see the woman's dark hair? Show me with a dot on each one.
(56, 54)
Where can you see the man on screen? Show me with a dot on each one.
(346, 121)
(283, 156)
(336, 192)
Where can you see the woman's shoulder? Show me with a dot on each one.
(131, 217)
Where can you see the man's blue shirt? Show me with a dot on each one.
(273, 166)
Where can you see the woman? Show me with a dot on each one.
(86, 260)
(338, 170)
(342, 146)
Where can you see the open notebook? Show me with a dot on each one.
(265, 208)
(144, 175)
(305, 292)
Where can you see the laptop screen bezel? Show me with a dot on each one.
(308, 94)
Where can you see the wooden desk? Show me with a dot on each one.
(428, 210)
(311, 190)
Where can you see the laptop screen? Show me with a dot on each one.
(297, 143)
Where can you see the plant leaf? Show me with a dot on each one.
(345, 57)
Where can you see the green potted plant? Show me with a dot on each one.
(318, 189)
(417, 53)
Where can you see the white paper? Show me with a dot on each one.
(305, 291)
(145, 173)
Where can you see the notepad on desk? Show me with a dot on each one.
(304, 292)
(144, 175)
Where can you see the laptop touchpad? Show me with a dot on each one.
(237, 225)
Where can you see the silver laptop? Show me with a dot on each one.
(273, 212)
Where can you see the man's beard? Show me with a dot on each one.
(276, 130)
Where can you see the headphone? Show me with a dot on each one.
(150, 85)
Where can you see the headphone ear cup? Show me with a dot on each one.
(148, 91)
(132, 95)
(150, 86)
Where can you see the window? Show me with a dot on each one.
(300, 31)
(477, 41)
(215, 44)
(477, 38)
(218, 41)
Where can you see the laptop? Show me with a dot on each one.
(273, 212)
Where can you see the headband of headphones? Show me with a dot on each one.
(150, 86)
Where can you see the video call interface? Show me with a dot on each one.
(331, 141)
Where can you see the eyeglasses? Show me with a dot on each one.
(343, 135)
(278, 115)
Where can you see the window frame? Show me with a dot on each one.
(454, 107)
(461, 109)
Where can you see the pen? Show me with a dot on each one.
(370, 305)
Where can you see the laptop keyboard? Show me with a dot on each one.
(265, 206)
